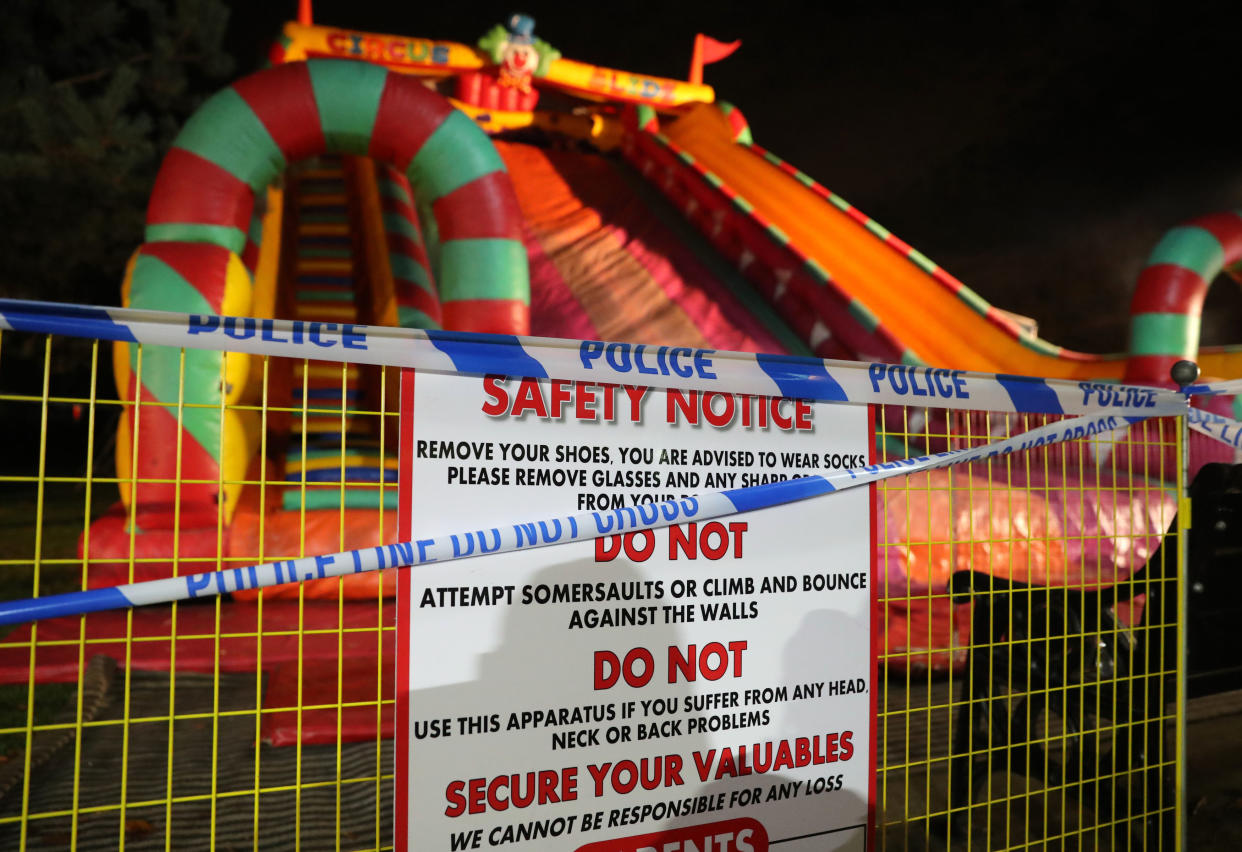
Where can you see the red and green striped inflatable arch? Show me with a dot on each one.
(1168, 301)
(201, 211)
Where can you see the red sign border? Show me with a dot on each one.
(405, 486)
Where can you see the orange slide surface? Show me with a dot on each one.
(924, 314)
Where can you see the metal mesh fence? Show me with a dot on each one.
(1028, 609)
(1028, 689)
(243, 723)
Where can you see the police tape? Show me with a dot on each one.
(542, 532)
(1223, 429)
(1227, 387)
(596, 361)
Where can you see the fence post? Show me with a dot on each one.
(1183, 373)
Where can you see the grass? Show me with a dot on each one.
(64, 506)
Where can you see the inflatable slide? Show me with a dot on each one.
(379, 179)
(368, 178)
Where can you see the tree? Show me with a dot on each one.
(91, 96)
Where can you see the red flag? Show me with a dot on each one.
(707, 50)
(714, 51)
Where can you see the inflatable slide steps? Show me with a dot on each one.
(327, 440)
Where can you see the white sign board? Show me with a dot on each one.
(705, 686)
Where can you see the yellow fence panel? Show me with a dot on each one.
(1028, 607)
(263, 722)
(1029, 692)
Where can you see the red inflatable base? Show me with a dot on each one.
(286, 640)
(359, 706)
(111, 547)
(285, 535)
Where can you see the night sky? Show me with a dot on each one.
(1036, 152)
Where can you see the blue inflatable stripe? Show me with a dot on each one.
(487, 353)
(801, 378)
(776, 493)
(352, 474)
(1031, 395)
(70, 320)
(315, 451)
(329, 439)
(70, 603)
(324, 393)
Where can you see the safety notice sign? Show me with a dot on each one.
(706, 686)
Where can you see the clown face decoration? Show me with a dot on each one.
(519, 55)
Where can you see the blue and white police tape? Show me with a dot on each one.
(596, 362)
(1228, 387)
(581, 526)
(1223, 429)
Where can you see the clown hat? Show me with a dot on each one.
(521, 28)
